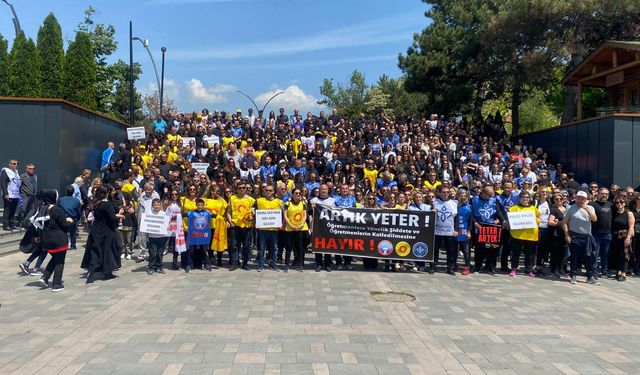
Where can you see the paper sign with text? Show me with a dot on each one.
(151, 223)
(136, 133)
(268, 219)
(522, 220)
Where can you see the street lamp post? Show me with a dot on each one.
(145, 44)
(163, 49)
(16, 22)
(265, 104)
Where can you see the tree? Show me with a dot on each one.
(152, 105)
(119, 106)
(51, 57)
(401, 102)
(4, 67)
(24, 76)
(447, 59)
(348, 98)
(103, 44)
(79, 75)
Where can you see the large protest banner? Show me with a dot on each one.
(374, 233)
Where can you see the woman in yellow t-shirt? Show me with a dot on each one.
(524, 240)
(295, 218)
(214, 203)
(188, 203)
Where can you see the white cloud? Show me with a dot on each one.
(370, 32)
(293, 97)
(171, 89)
(199, 93)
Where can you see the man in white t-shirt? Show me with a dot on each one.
(322, 198)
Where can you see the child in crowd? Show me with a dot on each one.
(128, 225)
(157, 242)
(198, 236)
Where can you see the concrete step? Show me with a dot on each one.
(9, 241)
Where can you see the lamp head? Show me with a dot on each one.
(163, 49)
(145, 42)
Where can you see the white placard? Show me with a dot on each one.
(522, 220)
(211, 139)
(136, 133)
(155, 223)
(204, 151)
(187, 140)
(200, 167)
(268, 219)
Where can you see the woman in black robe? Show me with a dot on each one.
(99, 255)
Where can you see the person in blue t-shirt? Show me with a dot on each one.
(485, 211)
(345, 200)
(159, 125)
(506, 200)
(198, 236)
(464, 225)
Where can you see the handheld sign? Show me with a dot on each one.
(522, 220)
(211, 140)
(151, 223)
(136, 133)
(187, 140)
(489, 234)
(268, 219)
(200, 167)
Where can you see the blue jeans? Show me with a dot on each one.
(603, 240)
(267, 241)
(240, 245)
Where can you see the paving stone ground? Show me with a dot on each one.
(245, 322)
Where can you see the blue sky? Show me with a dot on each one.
(215, 47)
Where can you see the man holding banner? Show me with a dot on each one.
(268, 221)
(322, 260)
(488, 231)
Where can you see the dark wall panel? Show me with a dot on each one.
(58, 138)
(623, 151)
(599, 150)
(636, 152)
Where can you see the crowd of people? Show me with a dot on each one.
(209, 171)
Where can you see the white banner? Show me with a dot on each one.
(187, 140)
(136, 133)
(522, 220)
(151, 223)
(268, 219)
(211, 140)
(200, 167)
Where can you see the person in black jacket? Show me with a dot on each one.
(54, 240)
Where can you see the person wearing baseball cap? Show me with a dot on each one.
(577, 229)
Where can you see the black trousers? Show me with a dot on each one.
(55, 267)
(295, 244)
(505, 250)
(451, 247)
(321, 257)
(10, 206)
(529, 250)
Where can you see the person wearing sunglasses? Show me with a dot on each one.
(557, 245)
(577, 233)
(240, 218)
(10, 184)
(295, 218)
(601, 229)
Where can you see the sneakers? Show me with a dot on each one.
(128, 257)
(24, 267)
(414, 269)
(573, 279)
(349, 267)
(531, 274)
(275, 268)
(245, 267)
(57, 287)
(327, 268)
(621, 277)
(150, 271)
(36, 272)
(593, 281)
(513, 273)
(260, 269)
(318, 268)
(43, 282)
(160, 270)
(122, 256)
(339, 267)
(465, 271)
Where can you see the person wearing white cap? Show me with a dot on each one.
(577, 232)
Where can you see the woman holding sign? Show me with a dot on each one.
(525, 238)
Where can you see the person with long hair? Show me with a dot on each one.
(215, 204)
(173, 209)
(295, 217)
(557, 245)
(54, 239)
(634, 208)
(99, 255)
(622, 230)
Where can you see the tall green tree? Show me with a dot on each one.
(401, 102)
(119, 106)
(349, 98)
(103, 44)
(79, 76)
(51, 57)
(4, 67)
(24, 76)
